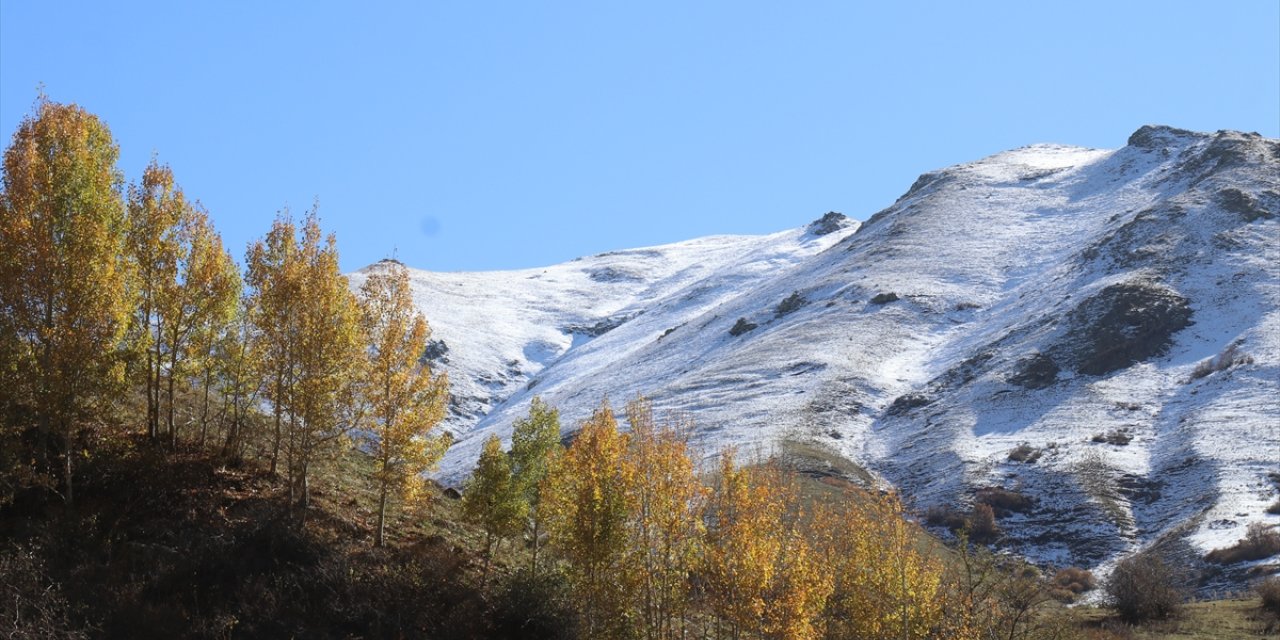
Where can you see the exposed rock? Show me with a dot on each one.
(1124, 324)
(790, 304)
(903, 404)
(1157, 136)
(600, 328)
(885, 298)
(1035, 372)
(612, 274)
(1247, 206)
(741, 326)
(830, 222)
(436, 351)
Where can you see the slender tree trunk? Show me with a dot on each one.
(204, 409)
(67, 453)
(382, 516)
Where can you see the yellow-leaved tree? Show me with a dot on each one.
(665, 523)
(275, 280)
(64, 300)
(587, 503)
(405, 400)
(764, 575)
(535, 446)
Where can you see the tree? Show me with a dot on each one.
(331, 357)
(63, 294)
(493, 500)
(156, 207)
(307, 324)
(535, 444)
(406, 402)
(1144, 587)
(239, 370)
(762, 573)
(665, 523)
(202, 302)
(588, 503)
(275, 278)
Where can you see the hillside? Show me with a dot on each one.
(1115, 311)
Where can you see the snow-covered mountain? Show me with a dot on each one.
(1068, 303)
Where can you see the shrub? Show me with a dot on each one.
(1025, 453)
(1269, 592)
(1274, 509)
(982, 524)
(1259, 542)
(1004, 501)
(741, 326)
(1069, 583)
(942, 516)
(884, 298)
(1145, 587)
(790, 304)
(1230, 357)
(1118, 438)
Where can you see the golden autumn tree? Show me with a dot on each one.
(201, 301)
(666, 499)
(405, 400)
(324, 403)
(238, 369)
(887, 585)
(587, 501)
(275, 278)
(764, 577)
(156, 207)
(535, 445)
(64, 300)
(492, 499)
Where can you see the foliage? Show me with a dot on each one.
(406, 402)
(492, 499)
(1145, 586)
(63, 282)
(1260, 541)
(535, 445)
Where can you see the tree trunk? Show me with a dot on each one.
(173, 431)
(66, 466)
(382, 516)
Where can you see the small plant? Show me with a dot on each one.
(789, 304)
(1259, 542)
(1004, 501)
(1118, 438)
(1269, 592)
(982, 524)
(1070, 583)
(741, 326)
(1145, 587)
(1025, 453)
(1230, 357)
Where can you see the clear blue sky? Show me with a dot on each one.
(480, 135)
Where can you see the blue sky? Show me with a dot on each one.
(483, 135)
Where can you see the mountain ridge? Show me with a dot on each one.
(1045, 296)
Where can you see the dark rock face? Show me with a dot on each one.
(790, 304)
(884, 298)
(1156, 136)
(1035, 372)
(906, 402)
(612, 274)
(1124, 324)
(830, 222)
(741, 326)
(436, 351)
(1248, 206)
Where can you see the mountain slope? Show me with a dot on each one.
(1052, 296)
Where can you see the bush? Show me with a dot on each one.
(1230, 357)
(1070, 583)
(791, 303)
(884, 298)
(940, 516)
(741, 326)
(1274, 509)
(1025, 453)
(1118, 438)
(1269, 592)
(1259, 542)
(1004, 501)
(1145, 587)
(533, 606)
(982, 524)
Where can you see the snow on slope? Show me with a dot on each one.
(1049, 295)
